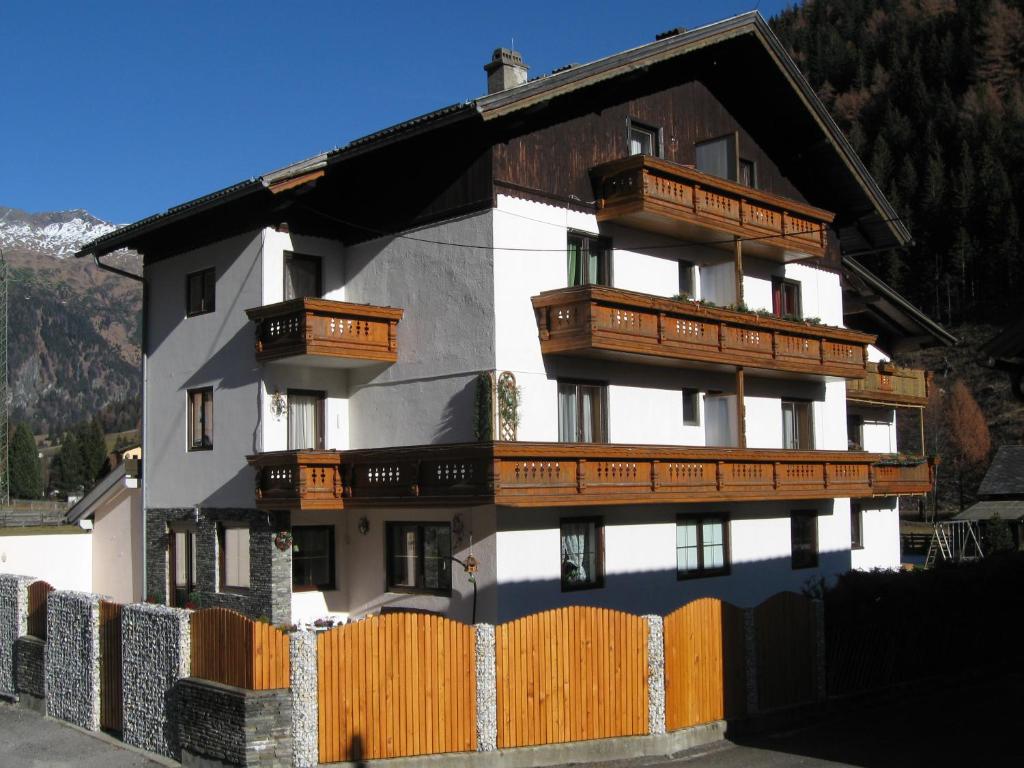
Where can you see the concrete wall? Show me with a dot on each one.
(117, 545)
(60, 555)
(444, 340)
(214, 349)
(73, 658)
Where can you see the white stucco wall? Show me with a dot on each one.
(880, 530)
(332, 263)
(117, 545)
(281, 376)
(444, 340)
(214, 349)
(63, 559)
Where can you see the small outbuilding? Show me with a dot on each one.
(1002, 493)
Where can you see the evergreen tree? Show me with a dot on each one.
(94, 449)
(69, 469)
(997, 536)
(26, 475)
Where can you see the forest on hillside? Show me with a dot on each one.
(931, 95)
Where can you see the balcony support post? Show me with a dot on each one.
(737, 251)
(741, 410)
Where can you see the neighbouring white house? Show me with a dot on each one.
(583, 339)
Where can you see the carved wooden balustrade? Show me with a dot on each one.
(298, 480)
(595, 321)
(649, 193)
(330, 330)
(570, 474)
(887, 384)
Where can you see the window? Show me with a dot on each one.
(582, 410)
(643, 139)
(582, 553)
(181, 554)
(797, 425)
(702, 547)
(748, 173)
(854, 432)
(419, 557)
(803, 532)
(301, 276)
(200, 419)
(312, 558)
(786, 298)
(691, 407)
(718, 157)
(234, 555)
(687, 280)
(856, 526)
(199, 292)
(588, 260)
(305, 420)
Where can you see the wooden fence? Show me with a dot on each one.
(571, 674)
(705, 664)
(786, 651)
(38, 591)
(111, 687)
(396, 685)
(234, 650)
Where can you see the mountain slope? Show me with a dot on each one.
(74, 329)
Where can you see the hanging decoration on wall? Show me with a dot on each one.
(278, 404)
(364, 526)
(283, 540)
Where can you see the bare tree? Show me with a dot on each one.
(967, 436)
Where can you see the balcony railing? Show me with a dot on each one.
(649, 193)
(298, 480)
(886, 384)
(574, 474)
(334, 332)
(594, 321)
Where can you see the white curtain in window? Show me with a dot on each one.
(567, 413)
(236, 557)
(575, 553)
(302, 422)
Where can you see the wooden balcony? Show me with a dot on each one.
(574, 474)
(653, 194)
(298, 480)
(886, 384)
(594, 321)
(326, 333)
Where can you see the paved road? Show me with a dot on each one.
(28, 740)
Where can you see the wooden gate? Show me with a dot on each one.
(705, 664)
(571, 674)
(232, 649)
(786, 645)
(396, 685)
(111, 688)
(38, 591)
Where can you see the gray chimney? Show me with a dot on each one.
(505, 70)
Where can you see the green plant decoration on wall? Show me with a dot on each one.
(483, 407)
(508, 406)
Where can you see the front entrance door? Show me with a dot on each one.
(182, 560)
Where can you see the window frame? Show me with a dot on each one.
(752, 164)
(800, 443)
(603, 424)
(856, 529)
(856, 421)
(695, 394)
(191, 562)
(204, 309)
(656, 133)
(690, 268)
(222, 557)
(206, 441)
(332, 583)
(290, 256)
(598, 582)
(321, 417)
(604, 259)
(779, 303)
(418, 589)
(702, 572)
(803, 560)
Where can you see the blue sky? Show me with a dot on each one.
(127, 108)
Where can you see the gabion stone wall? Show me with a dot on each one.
(655, 674)
(233, 725)
(305, 706)
(486, 689)
(270, 569)
(73, 658)
(13, 624)
(156, 653)
(30, 667)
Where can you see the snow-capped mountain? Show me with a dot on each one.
(57, 233)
